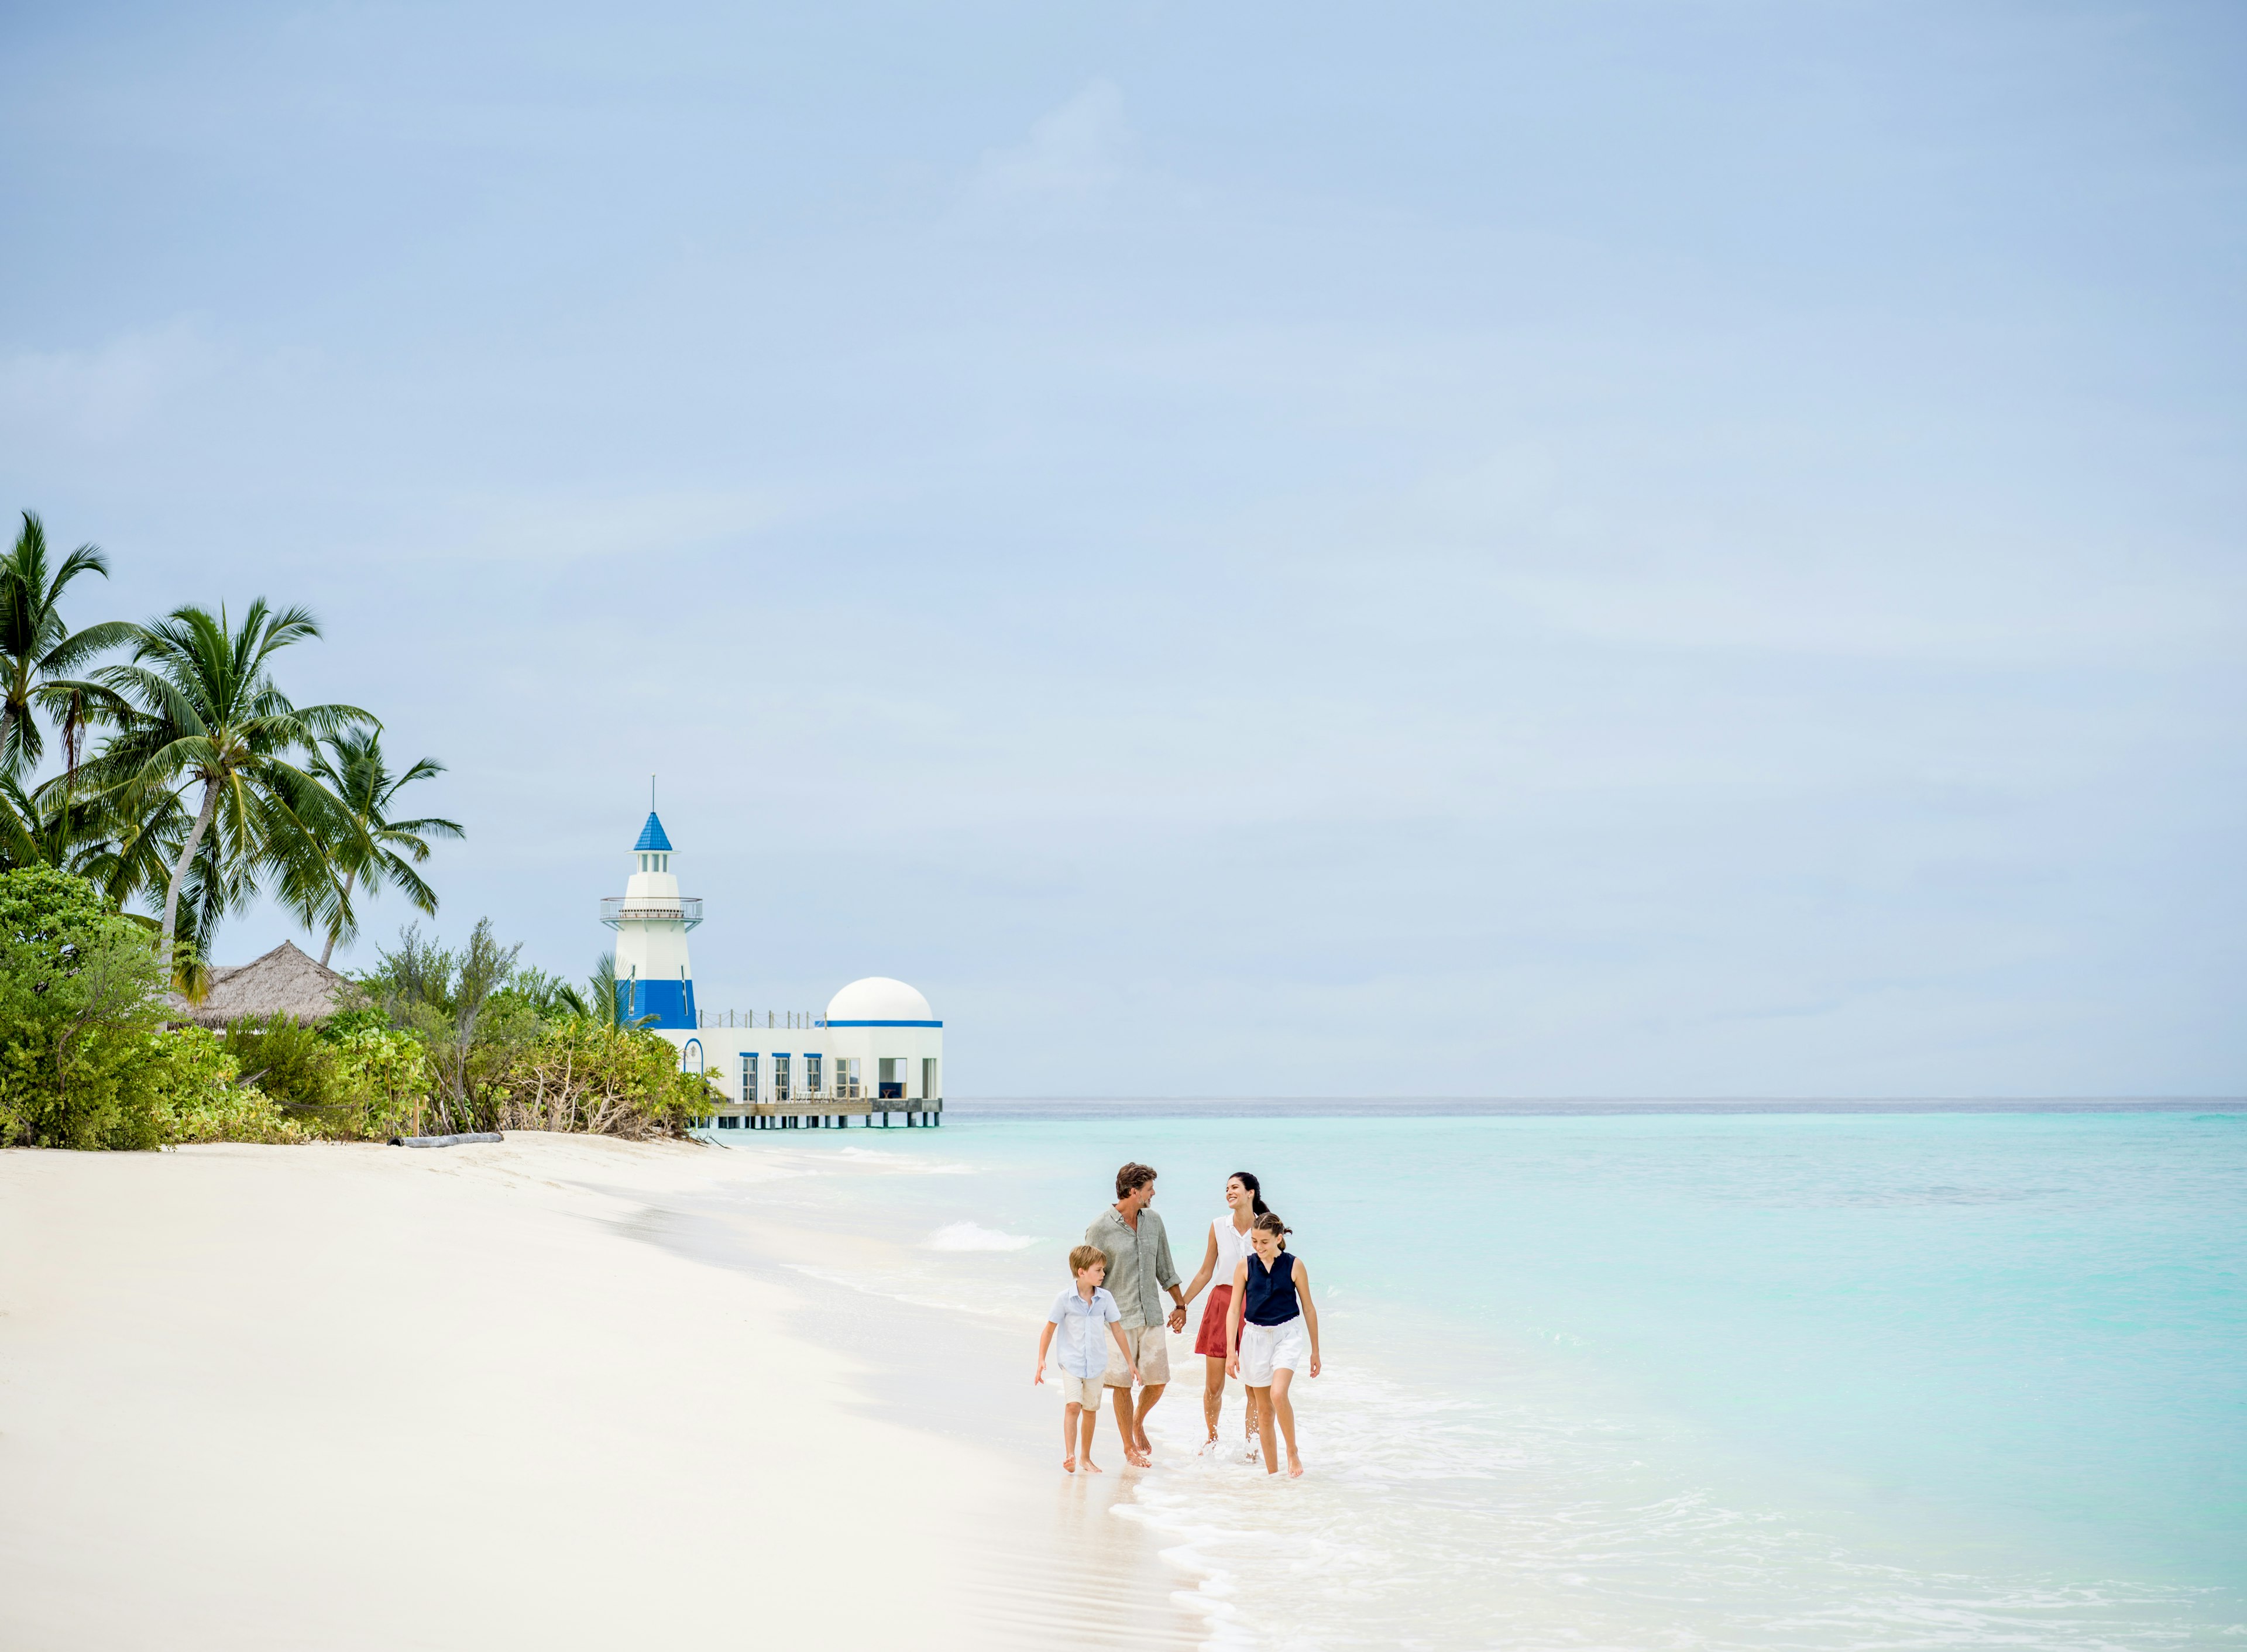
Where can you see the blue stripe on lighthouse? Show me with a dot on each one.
(672, 1003)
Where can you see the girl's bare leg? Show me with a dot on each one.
(1279, 1406)
(1212, 1394)
(1260, 1404)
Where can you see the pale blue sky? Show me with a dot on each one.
(1568, 549)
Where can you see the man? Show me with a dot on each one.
(1139, 1270)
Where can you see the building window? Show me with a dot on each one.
(690, 1059)
(783, 1090)
(846, 1078)
(812, 1073)
(928, 1088)
(727, 1122)
(890, 1073)
(749, 1080)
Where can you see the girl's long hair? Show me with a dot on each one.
(1256, 1204)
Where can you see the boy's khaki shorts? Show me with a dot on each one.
(1152, 1344)
(1081, 1390)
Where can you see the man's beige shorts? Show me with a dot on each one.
(1152, 1344)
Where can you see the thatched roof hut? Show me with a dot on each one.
(283, 980)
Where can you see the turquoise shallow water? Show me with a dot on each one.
(1706, 1380)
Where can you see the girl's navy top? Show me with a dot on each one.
(1271, 1291)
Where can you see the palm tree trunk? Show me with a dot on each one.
(180, 872)
(331, 946)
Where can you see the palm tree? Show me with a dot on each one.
(197, 706)
(55, 825)
(601, 989)
(37, 651)
(353, 767)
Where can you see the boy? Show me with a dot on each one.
(1081, 1315)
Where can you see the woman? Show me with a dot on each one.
(1228, 1244)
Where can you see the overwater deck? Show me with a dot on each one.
(826, 1113)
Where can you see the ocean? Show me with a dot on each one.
(1842, 1378)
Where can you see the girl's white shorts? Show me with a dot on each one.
(1267, 1348)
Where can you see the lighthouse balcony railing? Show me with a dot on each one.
(652, 909)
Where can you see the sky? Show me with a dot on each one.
(1572, 550)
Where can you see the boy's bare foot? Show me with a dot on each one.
(1068, 1465)
(1294, 1466)
(1091, 1467)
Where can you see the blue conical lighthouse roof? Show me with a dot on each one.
(651, 835)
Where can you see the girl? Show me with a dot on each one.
(1228, 1246)
(1272, 1293)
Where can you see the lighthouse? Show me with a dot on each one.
(877, 1050)
(651, 919)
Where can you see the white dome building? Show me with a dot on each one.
(877, 1051)
(885, 1034)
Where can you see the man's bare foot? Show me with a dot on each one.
(1136, 1458)
(1294, 1466)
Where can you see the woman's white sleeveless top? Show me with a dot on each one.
(1233, 1248)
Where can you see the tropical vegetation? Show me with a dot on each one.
(181, 783)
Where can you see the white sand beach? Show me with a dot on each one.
(347, 1396)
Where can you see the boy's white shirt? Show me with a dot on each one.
(1101, 1318)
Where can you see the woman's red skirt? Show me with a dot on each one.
(1210, 1340)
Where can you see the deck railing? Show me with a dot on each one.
(652, 909)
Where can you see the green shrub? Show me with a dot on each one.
(381, 1082)
(197, 1097)
(80, 993)
(360, 1018)
(581, 1073)
(292, 1063)
(48, 910)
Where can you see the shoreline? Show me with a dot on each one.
(350, 1397)
(1048, 1108)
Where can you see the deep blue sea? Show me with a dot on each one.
(1664, 1379)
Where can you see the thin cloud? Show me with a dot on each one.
(1073, 152)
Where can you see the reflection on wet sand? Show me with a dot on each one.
(1090, 1578)
(1062, 1565)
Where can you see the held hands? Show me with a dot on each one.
(1178, 1319)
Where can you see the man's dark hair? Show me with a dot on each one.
(1132, 1176)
